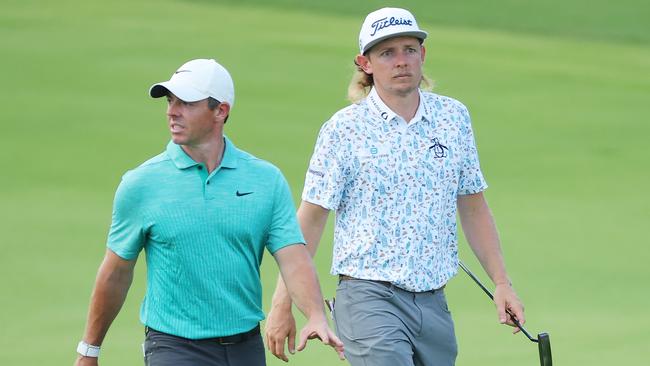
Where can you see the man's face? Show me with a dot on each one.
(395, 64)
(191, 123)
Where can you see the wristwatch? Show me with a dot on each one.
(88, 350)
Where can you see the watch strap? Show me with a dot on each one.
(88, 350)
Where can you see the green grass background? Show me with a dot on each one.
(559, 92)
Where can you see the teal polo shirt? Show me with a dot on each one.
(204, 236)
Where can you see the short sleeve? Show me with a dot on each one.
(325, 178)
(126, 235)
(471, 178)
(284, 229)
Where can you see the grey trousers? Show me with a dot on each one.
(383, 325)
(162, 349)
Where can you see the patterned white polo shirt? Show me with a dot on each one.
(393, 185)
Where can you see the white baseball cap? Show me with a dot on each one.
(197, 80)
(386, 23)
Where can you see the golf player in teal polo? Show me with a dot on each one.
(204, 212)
(397, 166)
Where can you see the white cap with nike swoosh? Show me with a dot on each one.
(197, 80)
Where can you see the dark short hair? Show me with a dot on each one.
(212, 104)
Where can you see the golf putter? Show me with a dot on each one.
(543, 341)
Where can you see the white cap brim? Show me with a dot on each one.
(421, 35)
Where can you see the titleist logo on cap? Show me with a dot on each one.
(384, 23)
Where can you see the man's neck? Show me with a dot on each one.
(209, 153)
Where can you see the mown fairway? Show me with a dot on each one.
(560, 98)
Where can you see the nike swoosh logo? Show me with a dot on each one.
(179, 71)
(239, 194)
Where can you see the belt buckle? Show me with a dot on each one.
(223, 342)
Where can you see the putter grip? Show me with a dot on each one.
(523, 330)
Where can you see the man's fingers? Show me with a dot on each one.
(328, 337)
(277, 349)
(501, 310)
(515, 311)
(518, 311)
(336, 343)
(280, 332)
(340, 352)
(292, 341)
(323, 336)
(307, 334)
(267, 339)
(303, 341)
(509, 308)
(513, 324)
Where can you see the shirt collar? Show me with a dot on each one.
(184, 161)
(424, 109)
(230, 154)
(380, 108)
(423, 112)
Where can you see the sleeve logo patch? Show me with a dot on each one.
(316, 173)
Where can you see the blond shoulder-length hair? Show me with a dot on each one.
(361, 83)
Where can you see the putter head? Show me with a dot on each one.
(544, 344)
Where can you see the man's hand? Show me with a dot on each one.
(318, 328)
(86, 361)
(280, 325)
(505, 298)
(299, 275)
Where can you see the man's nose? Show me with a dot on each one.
(172, 108)
(400, 59)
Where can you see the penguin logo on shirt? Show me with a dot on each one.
(439, 150)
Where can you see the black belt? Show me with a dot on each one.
(347, 278)
(235, 338)
(385, 283)
(224, 341)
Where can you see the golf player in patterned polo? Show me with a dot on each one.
(396, 166)
(204, 211)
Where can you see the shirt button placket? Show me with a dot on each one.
(204, 178)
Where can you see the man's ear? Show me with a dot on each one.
(221, 112)
(364, 63)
